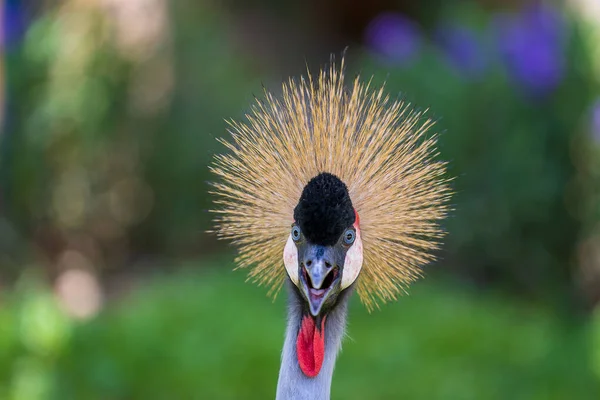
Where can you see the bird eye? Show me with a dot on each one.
(295, 233)
(349, 236)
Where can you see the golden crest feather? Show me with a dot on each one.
(379, 148)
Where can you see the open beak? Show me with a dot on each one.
(319, 279)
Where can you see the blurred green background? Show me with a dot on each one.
(109, 111)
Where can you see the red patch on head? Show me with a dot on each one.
(357, 222)
(310, 346)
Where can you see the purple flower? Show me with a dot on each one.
(531, 45)
(13, 23)
(463, 49)
(394, 36)
(595, 121)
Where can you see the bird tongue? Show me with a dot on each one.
(310, 346)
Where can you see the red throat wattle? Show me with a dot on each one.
(310, 346)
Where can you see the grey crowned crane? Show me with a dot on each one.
(329, 190)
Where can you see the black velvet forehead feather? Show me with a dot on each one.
(324, 209)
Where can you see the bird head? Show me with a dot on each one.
(324, 253)
(295, 178)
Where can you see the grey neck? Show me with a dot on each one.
(293, 384)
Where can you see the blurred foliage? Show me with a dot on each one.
(114, 126)
(517, 207)
(184, 337)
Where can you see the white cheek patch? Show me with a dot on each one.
(353, 262)
(290, 259)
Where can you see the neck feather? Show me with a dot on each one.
(293, 384)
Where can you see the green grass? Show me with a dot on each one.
(208, 335)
